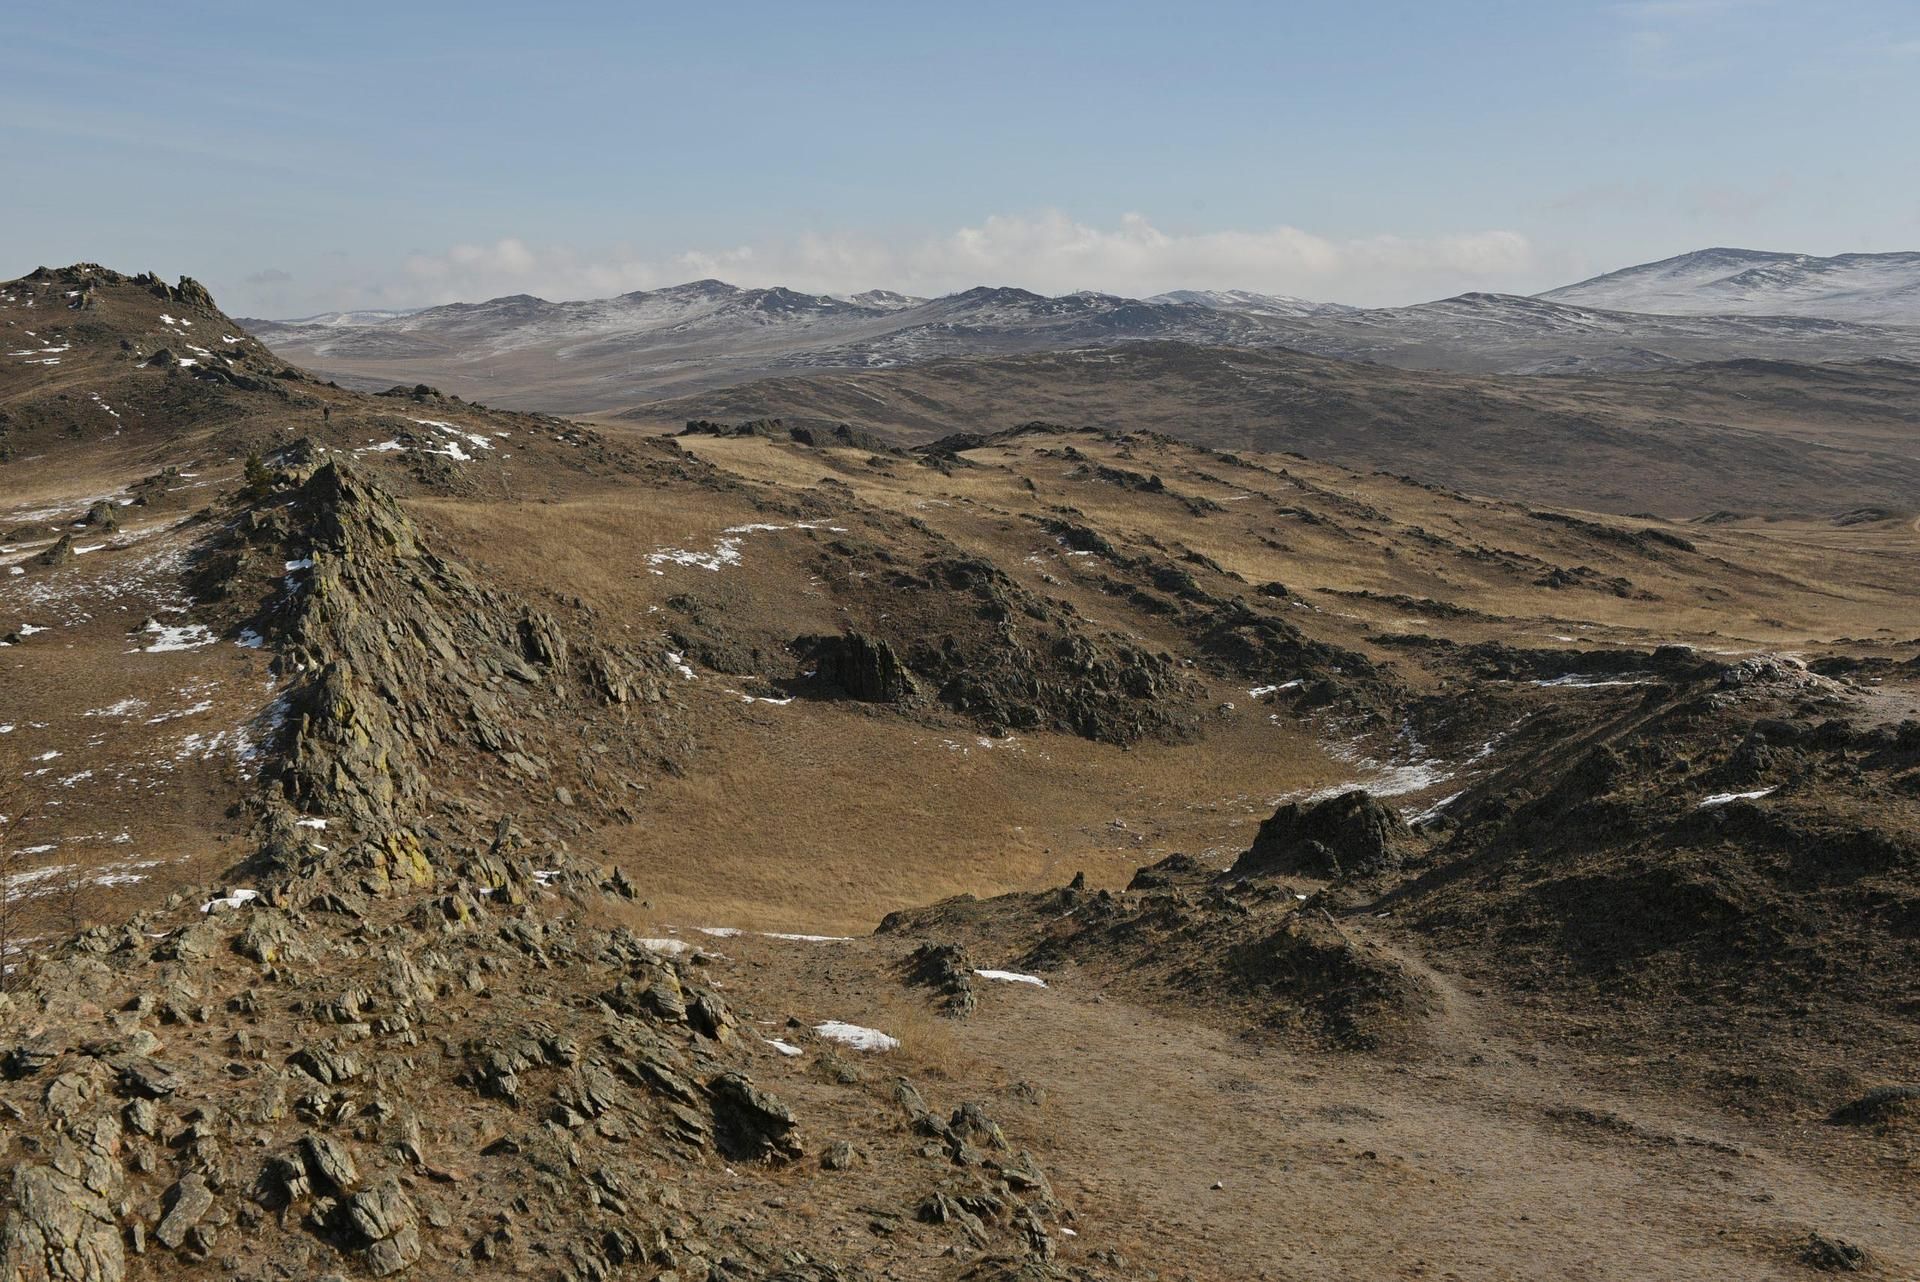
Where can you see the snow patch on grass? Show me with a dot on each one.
(188, 636)
(857, 1036)
(1723, 798)
(1012, 977)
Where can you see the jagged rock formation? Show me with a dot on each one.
(407, 669)
(990, 649)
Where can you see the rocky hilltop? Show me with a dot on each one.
(421, 1033)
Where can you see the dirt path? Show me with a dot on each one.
(1341, 1168)
(1490, 1158)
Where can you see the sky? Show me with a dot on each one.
(299, 159)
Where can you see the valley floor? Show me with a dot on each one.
(1202, 1154)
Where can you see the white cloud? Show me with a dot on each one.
(1048, 252)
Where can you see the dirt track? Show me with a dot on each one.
(1489, 1158)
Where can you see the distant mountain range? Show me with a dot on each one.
(1882, 288)
(606, 354)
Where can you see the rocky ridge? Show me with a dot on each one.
(421, 1039)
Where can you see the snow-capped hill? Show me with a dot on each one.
(341, 320)
(1245, 300)
(782, 302)
(1883, 288)
(706, 287)
(885, 300)
(599, 354)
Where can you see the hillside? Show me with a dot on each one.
(577, 357)
(1755, 438)
(447, 842)
(599, 355)
(1866, 288)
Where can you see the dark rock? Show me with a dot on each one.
(387, 1226)
(1351, 835)
(864, 668)
(329, 1163)
(748, 1122)
(947, 969)
(26, 1059)
(326, 1064)
(1882, 1106)
(148, 1080)
(59, 554)
(1832, 1255)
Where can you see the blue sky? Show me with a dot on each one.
(350, 155)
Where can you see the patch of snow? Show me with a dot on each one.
(192, 710)
(310, 823)
(856, 1036)
(19, 885)
(189, 636)
(232, 899)
(1260, 691)
(785, 1048)
(719, 932)
(1575, 681)
(726, 549)
(671, 947)
(1012, 977)
(1436, 809)
(1722, 798)
(808, 939)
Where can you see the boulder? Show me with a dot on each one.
(748, 1122)
(59, 554)
(386, 1223)
(187, 1201)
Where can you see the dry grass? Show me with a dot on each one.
(931, 1045)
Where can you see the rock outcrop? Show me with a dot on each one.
(424, 1045)
(1350, 835)
(864, 668)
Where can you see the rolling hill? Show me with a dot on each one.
(1866, 288)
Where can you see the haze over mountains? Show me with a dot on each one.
(597, 355)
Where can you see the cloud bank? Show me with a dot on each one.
(1049, 253)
